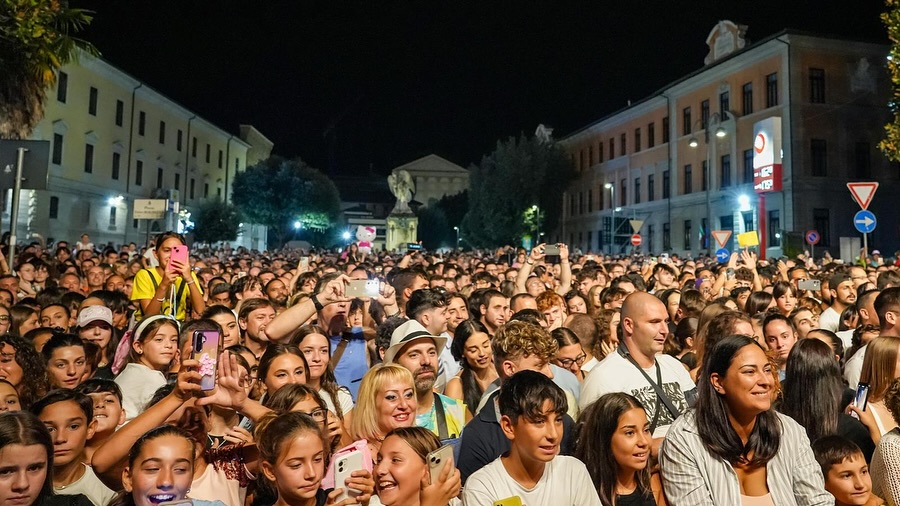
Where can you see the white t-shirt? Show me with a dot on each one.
(138, 384)
(90, 486)
(616, 374)
(565, 482)
(830, 320)
(853, 367)
(343, 397)
(448, 367)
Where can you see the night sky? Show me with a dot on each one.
(393, 81)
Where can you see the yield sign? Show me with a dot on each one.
(636, 225)
(721, 237)
(863, 193)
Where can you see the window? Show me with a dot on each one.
(194, 147)
(622, 150)
(581, 160)
(112, 216)
(134, 224)
(822, 225)
(120, 112)
(667, 237)
(179, 137)
(590, 156)
(220, 159)
(747, 216)
(600, 152)
(725, 164)
(590, 240)
(590, 207)
(571, 205)
(92, 102)
(116, 163)
(139, 173)
(748, 166)
(623, 193)
(819, 154)
(772, 90)
(651, 135)
(667, 184)
(724, 104)
(665, 129)
(817, 86)
(747, 96)
(687, 234)
(863, 160)
(637, 140)
(637, 190)
(704, 234)
(612, 149)
(89, 158)
(205, 190)
(191, 192)
(580, 202)
(159, 177)
(704, 177)
(774, 228)
(62, 87)
(57, 149)
(686, 120)
(208, 151)
(162, 132)
(142, 123)
(704, 114)
(651, 188)
(177, 181)
(54, 208)
(688, 179)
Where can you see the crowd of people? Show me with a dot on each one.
(211, 376)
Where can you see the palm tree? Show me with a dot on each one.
(36, 39)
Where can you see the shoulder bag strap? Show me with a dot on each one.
(623, 350)
(440, 417)
(338, 353)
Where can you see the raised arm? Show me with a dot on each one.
(287, 322)
(536, 256)
(565, 271)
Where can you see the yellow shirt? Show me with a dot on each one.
(145, 289)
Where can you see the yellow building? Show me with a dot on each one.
(681, 160)
(114, 139)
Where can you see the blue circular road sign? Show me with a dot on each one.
(864, 221)
(722, 255)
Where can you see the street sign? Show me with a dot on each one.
(35, 164)
(721, 237)
(636, 225)
(862, 193)
(812, 237)
(722, 255)
(149, 209)
(864, 221)
(636, 240)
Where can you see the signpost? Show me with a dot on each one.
(21, 171)
(812, 238)
(722, 255)
(150, 209)
(864, 220)
(721, 237)
(636, 240)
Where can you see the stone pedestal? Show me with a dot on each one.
(401, 229)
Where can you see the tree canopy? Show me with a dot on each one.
(216, 221)
(278, 192)
(519, 173)
(890, 145)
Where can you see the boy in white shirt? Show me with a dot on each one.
(532, 409)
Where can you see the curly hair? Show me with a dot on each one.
(518, 339)
(892, 399)
(34, 384)
(548, 299)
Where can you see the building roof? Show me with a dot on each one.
(431, 163)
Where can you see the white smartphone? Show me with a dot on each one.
(343, 468)
(362, 288)
(438, 460)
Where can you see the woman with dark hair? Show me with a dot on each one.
(23, 367)
(614, 443)
(671, 297)
(167, 288)
(607, 321)
(812, 392)
(732, 448)
(281, 364)
(471, 346)
(684, 337)
(785, 297)
(313, 342)
(759, 302)
(24, 318)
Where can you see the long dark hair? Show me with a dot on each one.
(34, 382)
(24, 428)
(273, 351)
(472, 391)
(597, 425)
(812, 388)
(328, 381)
(711, 412)
(124, 498)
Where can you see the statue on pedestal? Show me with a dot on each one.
(402, 223)
(402, 186)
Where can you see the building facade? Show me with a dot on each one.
(435, 178)
(113, 139)
(680, 162)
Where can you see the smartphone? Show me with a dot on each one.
(729, 273)
(182, 502)
(304, 264)
(413, 246)
(862, 396)
(509, 501)
(207, 345)
(343, 467)
(179, 254)
(551, 250)
(362, 288)
(438, 460)
(809, 284)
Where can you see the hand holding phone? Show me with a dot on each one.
(438, 460)
(206, 348)
(360, 288)
(344, 466)
(180, 255)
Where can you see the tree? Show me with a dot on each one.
(216, 221)
(890, 145)
(278, 192)
(35, 41)
(519, 173)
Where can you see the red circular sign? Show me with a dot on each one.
(760, 143)
(636, 240)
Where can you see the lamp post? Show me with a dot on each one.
(612, 204)
(457, 237)
(714, 119)
(537, 224)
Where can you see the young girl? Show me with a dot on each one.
(95, 325)
(24, 368)
(294, 457)
(304, 399)
(160, 469)
(317, 350)
(614, 443)
(161, 290)
(281, 364)
(471, 347)
(24, 318)
(153, 346)
(402, 475)
(231, 332)
(66, 360)
(9, 398)
(26, 451)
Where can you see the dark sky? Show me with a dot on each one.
(401, 80)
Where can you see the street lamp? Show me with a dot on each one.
(457, 237)
(612, 203)
(537, 224)
(714, 119)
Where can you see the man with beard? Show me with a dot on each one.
(277, 294)
(457, 312)
(429, 307)
(416, 349)
(253, 318)
(843, 295)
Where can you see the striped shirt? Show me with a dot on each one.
(693, 476)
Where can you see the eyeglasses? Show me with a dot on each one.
(567, 362)
(4, 318)
(318, 415)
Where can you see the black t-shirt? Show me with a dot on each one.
(66, 500)
(635, 499)
(321, 499)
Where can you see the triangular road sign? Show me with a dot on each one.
(863, 193)
(636, 225)
(721, 237)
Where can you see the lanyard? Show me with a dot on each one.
(657, 386)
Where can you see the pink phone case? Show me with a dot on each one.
(180, 254)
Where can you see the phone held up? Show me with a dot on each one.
(438, 460)
(207, 345)
(861, 399)
(362, 288)
(179, 254)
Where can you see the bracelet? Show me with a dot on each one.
(317, 304)
(191, 282)
(529, 261)
(398, 313)
(160, 300)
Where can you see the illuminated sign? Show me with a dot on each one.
(767, 155)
